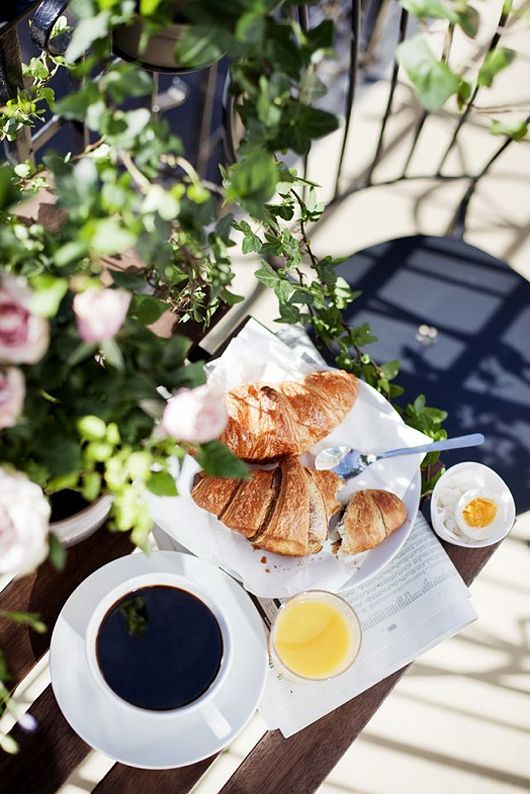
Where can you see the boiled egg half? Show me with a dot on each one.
(479, 513)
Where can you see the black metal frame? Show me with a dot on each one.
(365, 17)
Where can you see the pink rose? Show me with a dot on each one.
(24, 519)
(100, 313)
(12, 392)
(23, 335)
(196, 415)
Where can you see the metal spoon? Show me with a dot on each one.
(347, 462)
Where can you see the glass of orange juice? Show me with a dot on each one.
(316, 635)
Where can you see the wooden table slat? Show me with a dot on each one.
(123, 779)
(45, 592)
(46, 757)
(302, 762)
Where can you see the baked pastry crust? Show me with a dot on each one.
(214, 493)
(285, 510)
(371, 516)
(247, 512)
(328, 484)
(287, 531)
(269, 421)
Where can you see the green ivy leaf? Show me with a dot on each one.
(217, 460)
(162, 483)
(197, 47)
(69, 252)
(321, 37)
(74, 106)
(433, 80)
(9, 194)
(390, 369)
(85, 33)
(146, 308)
(430, 8)
(516, 130)
(303, 123)
(250, 28)
(31, 619)
(252, 181)
(468, 18)
(107, 236)
(61, 455)
(463, 94)
(267, 275)
(251, 241)
(126, 80)
(148, 7)
(48, 293)
(362, 335)
(494, 62)
(56, 553)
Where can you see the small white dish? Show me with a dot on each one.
(472, 479)
(145, 739)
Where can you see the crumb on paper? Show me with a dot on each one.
(267, 570)
(264, 560)
(335, 546)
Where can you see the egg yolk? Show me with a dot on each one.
(480, 512)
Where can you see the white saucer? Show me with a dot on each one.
(482, 477)
(147, 741)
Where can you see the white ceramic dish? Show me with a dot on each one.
(149, 740)
(372, 424)
(82, 525)
(484, 481)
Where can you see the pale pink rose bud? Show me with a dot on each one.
(23, 335)
(196, 415)
(100, 313)
(12, 392)
(24, 519)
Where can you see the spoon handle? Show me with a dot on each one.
(474, 440)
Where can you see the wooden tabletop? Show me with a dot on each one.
(297, 765)
(275, 764)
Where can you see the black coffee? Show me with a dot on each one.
(159, 647)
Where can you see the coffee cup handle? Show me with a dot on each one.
(219, 726)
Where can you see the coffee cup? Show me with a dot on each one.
(157, 643)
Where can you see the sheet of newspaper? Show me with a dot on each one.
(417, 601)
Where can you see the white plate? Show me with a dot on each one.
(146, 741)
(371, 425)
(483, 477)
(279, 576)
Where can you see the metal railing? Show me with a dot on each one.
(363, 18)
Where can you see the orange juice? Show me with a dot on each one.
(316, 635)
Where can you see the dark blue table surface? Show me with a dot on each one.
(478, 368)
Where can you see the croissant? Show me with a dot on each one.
(285, 510)
(371, 516)
(268, 421)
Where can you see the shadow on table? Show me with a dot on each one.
(478, 364)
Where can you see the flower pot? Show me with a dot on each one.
(72, 529)
(159, 53)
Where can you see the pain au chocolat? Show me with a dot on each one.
(269, 421)
(285, 510)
